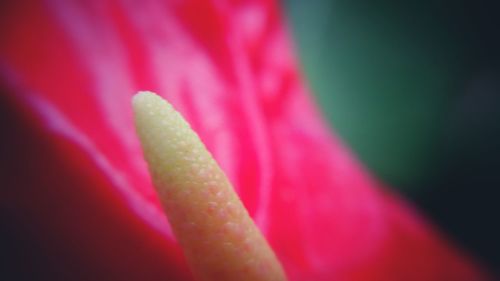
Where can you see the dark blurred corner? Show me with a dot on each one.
(414, 88)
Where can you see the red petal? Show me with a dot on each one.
(77, 185)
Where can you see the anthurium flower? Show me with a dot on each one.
(76, 193)
(218, 237)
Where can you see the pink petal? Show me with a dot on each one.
(75, 180)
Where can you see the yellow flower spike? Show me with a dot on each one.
(219, 239)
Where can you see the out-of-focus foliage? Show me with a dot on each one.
(384, 73)
(413, 87)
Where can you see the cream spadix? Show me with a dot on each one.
(218, 237)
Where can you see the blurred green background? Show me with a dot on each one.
(413, 88)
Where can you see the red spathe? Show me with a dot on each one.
(75, 180)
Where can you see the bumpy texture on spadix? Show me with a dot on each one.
(219, 238)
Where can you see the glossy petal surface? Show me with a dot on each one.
(76, 182)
